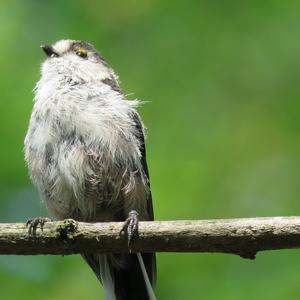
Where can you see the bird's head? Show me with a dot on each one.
(77, 60)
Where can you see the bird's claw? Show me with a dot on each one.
(32, 224)
(130, 226)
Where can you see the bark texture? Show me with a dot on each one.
(244, 237)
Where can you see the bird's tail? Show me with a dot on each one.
(125, 277)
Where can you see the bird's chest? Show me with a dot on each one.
(78, 162)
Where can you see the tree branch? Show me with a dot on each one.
(244, 237)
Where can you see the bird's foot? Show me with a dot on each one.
(130, 226)
(32, 224)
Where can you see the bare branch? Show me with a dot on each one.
(244, 237)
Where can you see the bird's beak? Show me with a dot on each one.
(49, 50)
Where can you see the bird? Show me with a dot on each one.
(85, 151)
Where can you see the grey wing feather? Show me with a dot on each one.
(140, 135)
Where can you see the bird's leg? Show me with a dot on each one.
(32, 224)
(130, 226)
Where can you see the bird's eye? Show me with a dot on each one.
(82, 53)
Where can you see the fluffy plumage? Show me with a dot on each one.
(85, 152)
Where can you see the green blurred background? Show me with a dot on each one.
(221, 81)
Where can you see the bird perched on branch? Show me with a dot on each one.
(86, 154)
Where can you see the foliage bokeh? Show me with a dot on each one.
(221, 84)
